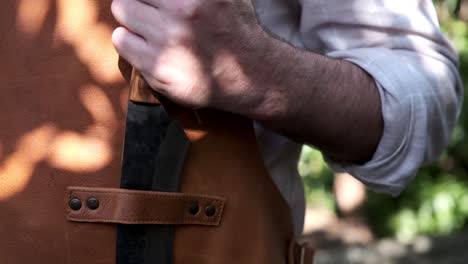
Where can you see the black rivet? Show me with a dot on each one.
(210, 210)
(92, 203)
(194, 208)
(75, 204)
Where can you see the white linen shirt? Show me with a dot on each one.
(414, 66)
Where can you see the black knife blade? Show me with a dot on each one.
(155, 148)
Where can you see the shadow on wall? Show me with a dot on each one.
(62, 91)
(62, 112)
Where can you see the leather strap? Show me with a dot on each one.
(121, 206)
(300, 253)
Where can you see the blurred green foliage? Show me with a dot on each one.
(436, 202)
(317, 178)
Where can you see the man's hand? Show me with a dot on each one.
(213, 53)
(186, 49)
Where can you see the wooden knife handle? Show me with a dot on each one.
(140, 91)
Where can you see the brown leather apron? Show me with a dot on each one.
(63, 110)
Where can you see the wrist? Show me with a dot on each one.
(262, 60)
(266, 61)
(240, 73)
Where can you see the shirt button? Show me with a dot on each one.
(92, 203)
(74, 204)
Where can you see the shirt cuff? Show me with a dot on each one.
(419, 110)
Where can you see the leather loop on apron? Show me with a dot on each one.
(107, 205)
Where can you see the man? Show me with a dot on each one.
(372, 83)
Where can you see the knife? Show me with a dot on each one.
(155, 148)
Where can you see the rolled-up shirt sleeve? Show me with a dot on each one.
(415, 68)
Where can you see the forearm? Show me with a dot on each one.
(331, 104)
(229, 62)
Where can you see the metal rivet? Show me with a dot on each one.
(194, 208)
(92, 203)
(210, 210)
(75, 204)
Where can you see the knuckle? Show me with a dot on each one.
(120, 8)
(121, 37)
(117, 10)
(116, 6)
(117, 38)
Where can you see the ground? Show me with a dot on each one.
(350, 242)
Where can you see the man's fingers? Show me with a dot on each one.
(132, 48)
(137, 16)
